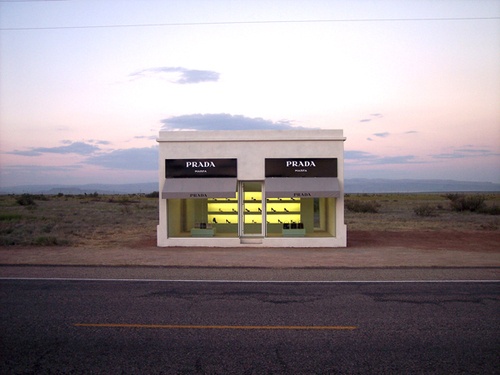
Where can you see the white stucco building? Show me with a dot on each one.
(269, 188)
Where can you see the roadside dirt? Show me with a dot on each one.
(365, 249)
(482, 241)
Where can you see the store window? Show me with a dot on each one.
(324, 215)
(300, 217)
(283, 214)
(223, 216)
(213, 217)
(301, 195)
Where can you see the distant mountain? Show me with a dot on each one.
(355, 185)
(366, 185)
(146, 187)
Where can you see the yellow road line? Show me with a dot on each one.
(173, 326)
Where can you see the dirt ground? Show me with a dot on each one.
(365, 249)
(484, 241)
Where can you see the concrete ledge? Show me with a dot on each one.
(251, 240)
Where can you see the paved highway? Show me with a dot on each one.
(206, 327)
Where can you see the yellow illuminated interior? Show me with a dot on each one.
(252, 207)
(223, 210)
(253, 196)
(283, 210)
(279, 210)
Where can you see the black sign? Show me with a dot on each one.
(291, 167)
(199, 168)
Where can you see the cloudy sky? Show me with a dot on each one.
(85, 86)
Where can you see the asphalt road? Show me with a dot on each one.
(252, 273)
(203, 327)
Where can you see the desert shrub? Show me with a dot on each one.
(453, 196)
(462, 202)
(425, 210)
(10, 217)
(26, 200)
(46, 241)
(360, 206)
(492, 210)
(41, 197)
(7, 241)
(47, 228)
(146, 207)
(488, 226)
(123, 199)
(154, 194)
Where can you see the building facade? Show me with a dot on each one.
(269, 188)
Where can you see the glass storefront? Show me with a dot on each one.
(220, 217)
(299, 217)
(203, 217)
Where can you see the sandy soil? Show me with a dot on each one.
(483, 241)
(365, 249)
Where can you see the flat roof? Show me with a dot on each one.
(251, 135)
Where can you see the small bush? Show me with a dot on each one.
(363, 207)
(461, 202)
(46, 241)
(4, 241)
(146, 207)
(453, 196)
(493, 210)
(40, 197)
(425, 210)
(123, 199)
(154, 194)
(26, 200)
(47, 228)
(10, 217)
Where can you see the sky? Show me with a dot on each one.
(85, 86)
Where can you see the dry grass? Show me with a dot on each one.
(396, 212)
(78, 220)
(130, 220)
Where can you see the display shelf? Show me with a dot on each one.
(223, 218)
(222, 211)
(283, 210)
(252, 210)
(253, 219)
(283, 220)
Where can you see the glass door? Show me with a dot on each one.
(251, 210)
